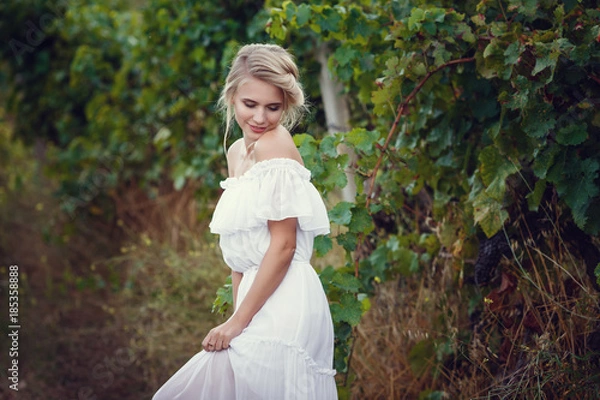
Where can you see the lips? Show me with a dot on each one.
(257, 129)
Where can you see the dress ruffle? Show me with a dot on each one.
(271, 190)
(256, 345)
(276, 369)
(247, 371)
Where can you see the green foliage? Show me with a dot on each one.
(463, 111)
(224, 299)
(347, 306)
(127, 96)
(529, 68)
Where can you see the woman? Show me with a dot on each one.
(278, 344)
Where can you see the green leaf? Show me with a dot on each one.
(349, 310)
(224, 298)
(303, 15)
(542, 63)
(329, 20)
(344, 72)
(341, 214)
(328, 146)
(577, 187)
(545, 160)
(526, 7)
(547, 58)
(362, 140)
(290, 10)
(489, 214)
(307, 146)
(408, 261)
(348, 241)
(335, 175)
(301, 138)
(382, 99)
(538, 121)
(498, 29)
(345, 55)
(479, 20)
(572, 134)
(346, 282)
(512, 53)
(417, 16)
(364, 301)
(429, 27)
(322, 245)
(441, 56)
(534, 198)
(465, 32)
(492, 48)
(276, 28)
(361, 221)
(359, 27)
(494, 169)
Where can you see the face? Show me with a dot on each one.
(258, 107)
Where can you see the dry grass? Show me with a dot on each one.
(108, 311)
(168, 302)
(534, 335)
(404, 314)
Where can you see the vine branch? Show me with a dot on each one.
(399, 112)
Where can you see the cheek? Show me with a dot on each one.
(275, 117)
(241, 113)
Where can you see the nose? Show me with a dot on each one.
(259, 116)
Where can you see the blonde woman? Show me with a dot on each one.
(278, 344)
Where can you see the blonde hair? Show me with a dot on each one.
(269, 63)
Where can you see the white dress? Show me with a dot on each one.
(286, 352)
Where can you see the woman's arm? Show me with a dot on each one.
(277, 259)
(236, 278)
(271, 272)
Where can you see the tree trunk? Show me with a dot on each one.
(337, 115)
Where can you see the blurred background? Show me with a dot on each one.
(468, 269)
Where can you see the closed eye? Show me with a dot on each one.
(270, 107)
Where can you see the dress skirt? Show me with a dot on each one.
(283, 354)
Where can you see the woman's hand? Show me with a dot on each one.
(220, 336)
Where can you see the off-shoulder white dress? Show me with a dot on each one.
(286, 352)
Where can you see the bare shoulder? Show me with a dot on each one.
(233, 155)
(277, 144)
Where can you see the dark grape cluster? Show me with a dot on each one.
(490, 252)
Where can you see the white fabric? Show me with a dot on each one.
(286, 352)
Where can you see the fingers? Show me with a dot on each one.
(219, 337)
(214, 342)
(206, 345)
(221, 344)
